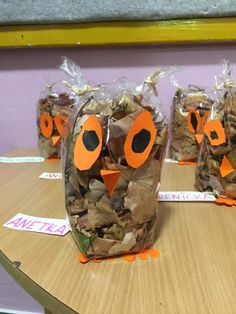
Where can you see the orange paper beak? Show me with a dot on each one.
(198, 138)
(110, 178)
(55, 139)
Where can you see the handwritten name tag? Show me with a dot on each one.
(37, 224)
(51, 175)
(186, 196)
(13, 160)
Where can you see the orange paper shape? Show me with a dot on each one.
(215, 132)
(55, 139)
(205, 116)
(144, 255)
(225, 201)
(188, 163)
(140, 139)
(110, 178)
(194, 121)
(83, 259)
(153, 252)
(52, 159)
(46, 125)
(88, 144)
(60, 121)
(198, 138)
(225, 167)
(129, 257)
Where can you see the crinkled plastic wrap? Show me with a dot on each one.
(113, 154)
(54, 107)
(53, 110)
(189, 111)
(216, 168)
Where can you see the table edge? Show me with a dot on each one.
(46, 299)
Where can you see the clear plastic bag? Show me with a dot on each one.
(216, 167)
(190, 109)
(113, 152)
(54, 107)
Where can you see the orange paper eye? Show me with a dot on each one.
(60, 121)
(194, 121)
(46, 125)
(204, 118)
(215, 132)
(140, 139)
(88, 144)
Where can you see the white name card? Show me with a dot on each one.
(14, 160)
(186, 196)
(37, 224)
(51, 175)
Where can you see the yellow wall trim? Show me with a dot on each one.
(119, 33)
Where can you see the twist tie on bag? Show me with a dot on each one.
(152, 79)
(225, 77)
(81, 91)
(194, 88)
(229, 83)
(50, 86)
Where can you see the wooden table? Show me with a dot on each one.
(196, 272)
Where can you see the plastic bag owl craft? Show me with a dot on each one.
(191, 107)
(216, 169)
(113, 153)
(53, 111)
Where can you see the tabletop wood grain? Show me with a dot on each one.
(196, 272)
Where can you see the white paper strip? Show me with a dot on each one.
(171, 160)
(37, 224)
(185, 196)
(51, 175)
(13, 160)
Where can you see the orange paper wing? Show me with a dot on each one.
(225, 167)
(140, 140)
(88, 144)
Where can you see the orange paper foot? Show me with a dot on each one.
(52, 159)
(189, 163)
(225, 201)
(83, 259)
(144, 255)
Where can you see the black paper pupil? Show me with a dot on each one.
(214, 135)
(194, 121)
(46, 123)
(90, 140)
(140, 141)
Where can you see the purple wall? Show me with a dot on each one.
(25, 72)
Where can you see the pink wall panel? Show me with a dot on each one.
(25, 72)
